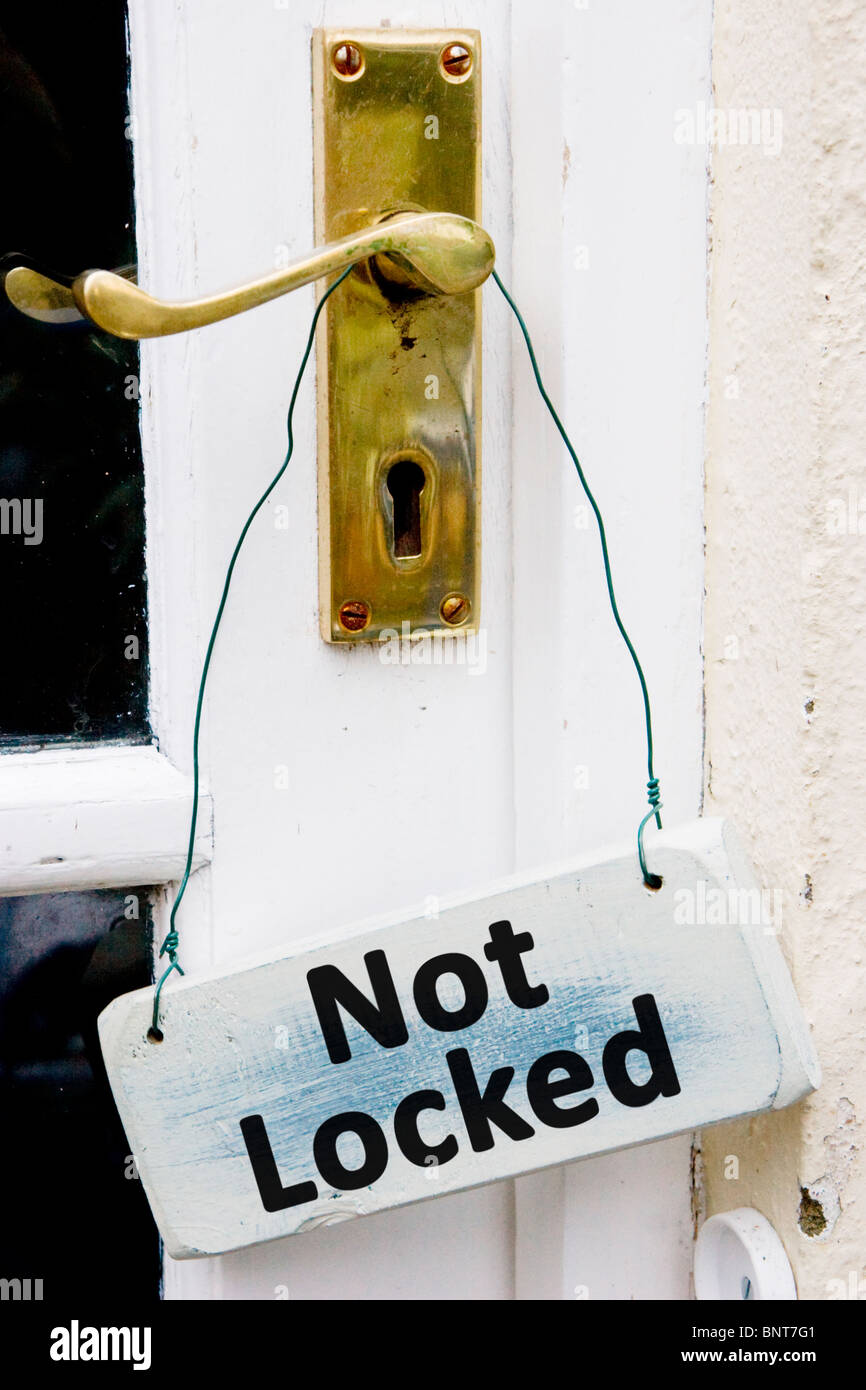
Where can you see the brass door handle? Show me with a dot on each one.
(436, 252)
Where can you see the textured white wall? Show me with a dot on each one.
(786, 600)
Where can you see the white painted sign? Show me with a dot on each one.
(541, 1023)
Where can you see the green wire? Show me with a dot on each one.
(170, 945)
(653, 793)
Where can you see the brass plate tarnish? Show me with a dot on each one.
(399, 371)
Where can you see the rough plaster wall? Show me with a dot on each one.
(786, 592)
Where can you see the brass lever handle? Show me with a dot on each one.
(436, 252)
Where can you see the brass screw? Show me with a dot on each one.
(455, 609)
(348, 61)
(355, 615)
(456, 61)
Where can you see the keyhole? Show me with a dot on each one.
(406, 483)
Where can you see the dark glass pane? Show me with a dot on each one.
(75, 1216)
(72, 534)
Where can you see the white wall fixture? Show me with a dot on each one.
(739, 1257)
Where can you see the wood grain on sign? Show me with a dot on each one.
(544, 1022)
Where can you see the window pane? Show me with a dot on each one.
(75, 1215)
(72, 527)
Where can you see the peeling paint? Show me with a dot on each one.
(696, 1186)
(821, 1199)
(812, 1221)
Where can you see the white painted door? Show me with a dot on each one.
(342, 787)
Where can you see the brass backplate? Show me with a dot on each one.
(397, 130)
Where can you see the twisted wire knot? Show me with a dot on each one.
(170, 945)
(654, 797)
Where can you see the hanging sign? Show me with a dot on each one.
(543, 1022)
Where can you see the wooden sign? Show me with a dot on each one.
(541, 1023)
